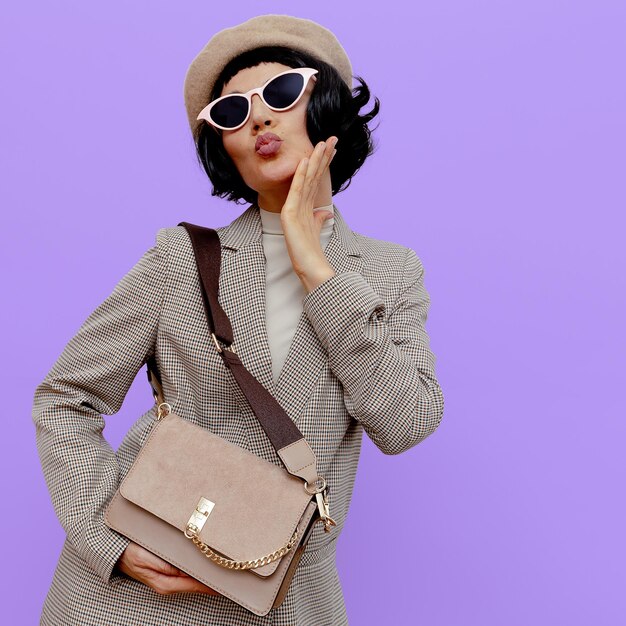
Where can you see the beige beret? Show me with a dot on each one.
(265, 30)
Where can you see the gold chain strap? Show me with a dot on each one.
(192, 534)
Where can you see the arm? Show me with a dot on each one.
(91, 377)
(385, 366)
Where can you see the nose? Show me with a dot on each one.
(260, 113)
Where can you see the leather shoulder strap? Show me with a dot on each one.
(208, 253)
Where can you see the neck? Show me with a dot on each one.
(274, 199)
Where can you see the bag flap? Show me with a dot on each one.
(257, 504)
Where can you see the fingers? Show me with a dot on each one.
(147, 559)
(307, 176)
(166, 585)
(158, 574)
(318, 163)
(168, 569)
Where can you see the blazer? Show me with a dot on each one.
(359, 361)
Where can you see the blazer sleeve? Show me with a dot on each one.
(382, 358)
(91, 377)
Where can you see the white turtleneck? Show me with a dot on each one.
(283, 290)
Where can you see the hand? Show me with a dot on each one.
(163, 577)
(301, 225)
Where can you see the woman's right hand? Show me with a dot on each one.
(163, 577)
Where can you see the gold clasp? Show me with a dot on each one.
(199, 517)
(163, 409)
(320, 483)
(321, 496)
(328, 520)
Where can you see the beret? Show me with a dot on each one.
(297, 33)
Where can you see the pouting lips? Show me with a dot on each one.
(267, 143)
(269, 148)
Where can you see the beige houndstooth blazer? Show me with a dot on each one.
(359, 361)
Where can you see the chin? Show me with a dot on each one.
(277, 170)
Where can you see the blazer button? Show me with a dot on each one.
(377, 315)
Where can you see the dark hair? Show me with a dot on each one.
(332, 110)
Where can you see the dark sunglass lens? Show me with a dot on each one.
(283, 90)
(230, 112)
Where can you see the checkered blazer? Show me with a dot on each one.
(359, 361)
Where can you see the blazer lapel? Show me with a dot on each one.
(242, 296)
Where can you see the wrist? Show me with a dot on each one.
(312, 281)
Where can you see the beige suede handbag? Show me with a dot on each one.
(218, 512)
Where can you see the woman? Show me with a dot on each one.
(330, 322)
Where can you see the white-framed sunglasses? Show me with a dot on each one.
(279, 93)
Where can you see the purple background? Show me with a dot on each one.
(501, 161)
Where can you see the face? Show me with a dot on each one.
(267, 174)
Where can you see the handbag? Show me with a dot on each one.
(218, 512)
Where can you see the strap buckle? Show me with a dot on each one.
(219, 348)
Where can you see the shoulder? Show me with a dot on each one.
(174, 244)
(171, 238)
(177, 256)
(379, 255)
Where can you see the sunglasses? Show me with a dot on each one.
(279, 93)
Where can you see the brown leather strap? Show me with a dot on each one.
(208, 253)
(279, 427)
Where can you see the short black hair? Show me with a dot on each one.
(333, 109)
